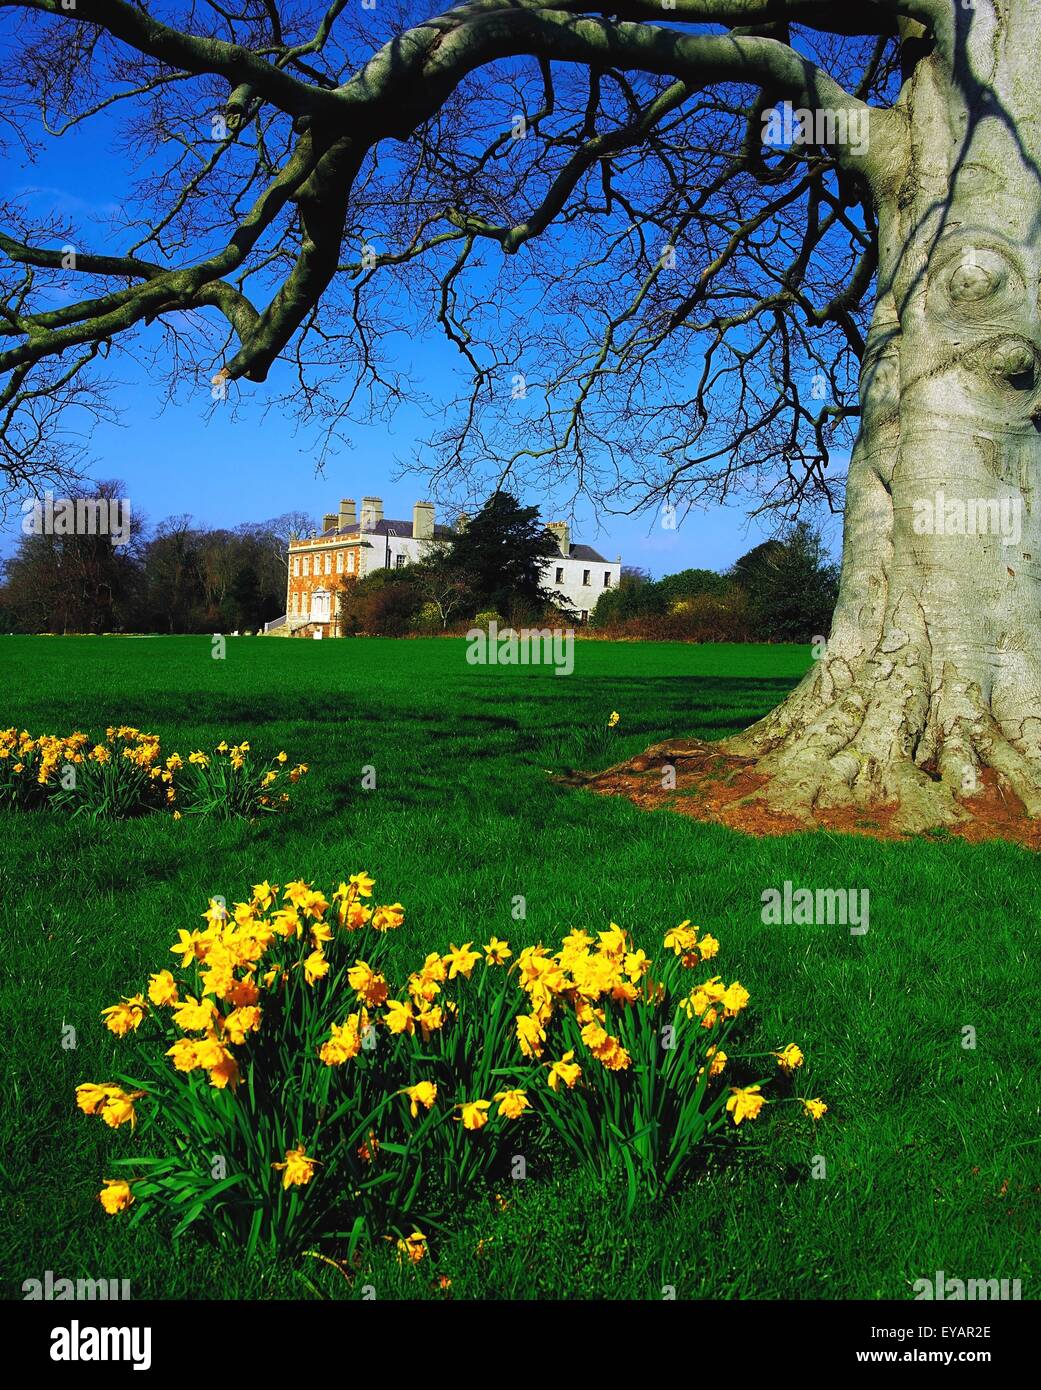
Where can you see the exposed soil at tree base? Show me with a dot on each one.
(722, 788)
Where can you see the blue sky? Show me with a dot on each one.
(253, 464)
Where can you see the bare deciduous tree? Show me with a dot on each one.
(657, 298)
(440, 581)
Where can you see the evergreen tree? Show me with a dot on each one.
(502, 550)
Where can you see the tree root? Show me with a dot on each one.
(878, 751)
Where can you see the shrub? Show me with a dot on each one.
(722, 617)
(389, 611)
(428, 619)
(289, 1095)
(486, 618)
(126, 775)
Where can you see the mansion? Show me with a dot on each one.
(352, 545)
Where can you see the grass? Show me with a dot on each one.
(931, 1150)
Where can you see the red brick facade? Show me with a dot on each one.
(320, 567)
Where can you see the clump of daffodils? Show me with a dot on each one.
(338, 1091)
(126, 773)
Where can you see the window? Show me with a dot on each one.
(402, 560)
(328, 562)
(339, 562)
(560, 574)
(585, 576)
(607, 579)
(585, 616)
(296, 564)
(307, 564)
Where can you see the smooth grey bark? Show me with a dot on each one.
(932, 672)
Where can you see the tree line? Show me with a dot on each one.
(783, 590)
(179, 576)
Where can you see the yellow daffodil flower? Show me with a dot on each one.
(297, 1169)
(115, 1196)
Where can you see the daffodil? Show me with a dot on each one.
(681, 939)
(315, 966)
(816, 1109)
(530, 1034)
(790, 1058)
(497, 952)
(566, 1070)
(240, 1022)
(414, 1246)
(370, 986)
(388, 918)
(345, 1041)
(183, 1052)
(734, 999)
(430, 1021)
(512, 1104)
(719, 1061)
(475, 1114)
(399, 1017)
(115, 1196)
(264, 895)
(195, 1016)
(186, 947)
(162, 988)
(423, 1093)
(745, 1103)
(637, 963)
(125, 1017)
(112, 1103)
(612, 942)
(460, 960)
(297, 1169)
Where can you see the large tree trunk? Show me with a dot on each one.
(932, 674)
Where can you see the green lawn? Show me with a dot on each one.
(932, 1150)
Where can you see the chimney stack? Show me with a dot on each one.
(371, 513)
(423, 521)
(348, 516)
(328, 522)
(562, 531)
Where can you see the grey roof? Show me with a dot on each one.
(586, 552)
(402, 529)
